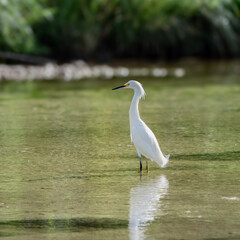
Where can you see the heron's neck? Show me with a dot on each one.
(133, 112)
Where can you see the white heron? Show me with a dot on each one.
(142, 137)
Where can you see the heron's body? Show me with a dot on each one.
(143, 138)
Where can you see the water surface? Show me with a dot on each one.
(69, 170)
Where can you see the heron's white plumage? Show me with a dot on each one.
(141, 135)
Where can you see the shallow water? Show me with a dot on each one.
(69, 171)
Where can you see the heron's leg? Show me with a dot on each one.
(140, 161)
(147, 165)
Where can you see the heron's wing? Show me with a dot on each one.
(145, 140)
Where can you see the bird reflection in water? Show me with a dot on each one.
(146, 204)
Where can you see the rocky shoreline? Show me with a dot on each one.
(81, 70)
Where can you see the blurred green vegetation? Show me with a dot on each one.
(17, 19)
(102, 29)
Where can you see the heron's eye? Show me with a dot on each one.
(126, 85)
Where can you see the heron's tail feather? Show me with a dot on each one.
(167, 156)
(162, 160)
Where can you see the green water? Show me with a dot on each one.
(69, 171)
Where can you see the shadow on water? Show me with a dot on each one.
(146, 204)
(228, 238)
(224, 156)
(65, 224)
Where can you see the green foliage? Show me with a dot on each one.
(171, 28)
(16, 20)
(78, 27)
(166, 29)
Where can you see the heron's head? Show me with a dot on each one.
(135, 85)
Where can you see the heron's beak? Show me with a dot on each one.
(118, 87)
(125, 85)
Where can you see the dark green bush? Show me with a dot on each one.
(16, 21)
(165, 29)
